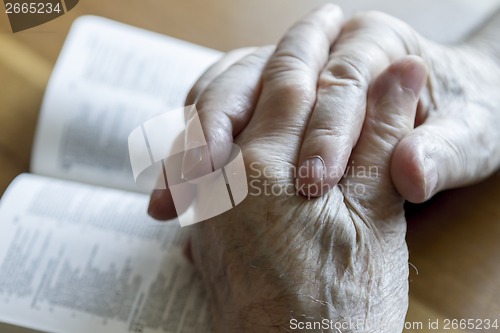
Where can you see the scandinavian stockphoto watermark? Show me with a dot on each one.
(170, 152)
(25, 14)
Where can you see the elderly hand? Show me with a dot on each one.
(282, 261)
(457, 141)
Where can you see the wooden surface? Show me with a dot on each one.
(454, 240)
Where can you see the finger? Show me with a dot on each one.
(391, 109)
(445, 153)
(291, 75)
(367, 45)
(224, 109)
(215, 70)
(161, 205)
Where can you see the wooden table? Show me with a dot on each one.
(454, 239)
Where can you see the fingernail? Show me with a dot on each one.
(430, 177)
(155, 202)
(312, 170)
(191, 163)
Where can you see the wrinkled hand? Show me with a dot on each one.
(277, 258)
(457, 141)
(281, 259)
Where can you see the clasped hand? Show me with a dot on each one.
(371, 94)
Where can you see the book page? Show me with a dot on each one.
(79, 258)
(109, 79)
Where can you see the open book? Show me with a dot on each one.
(78, 252)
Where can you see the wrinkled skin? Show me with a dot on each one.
(456, 140)
(342, 256)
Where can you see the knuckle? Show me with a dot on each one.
(204, 99)
(242, 51)
(284, 61)
(456, 154)
(305, 24)
(317, 138)
(309, 25)
(249, 62)
(217, 127)
(379, 28)
(330, 6)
